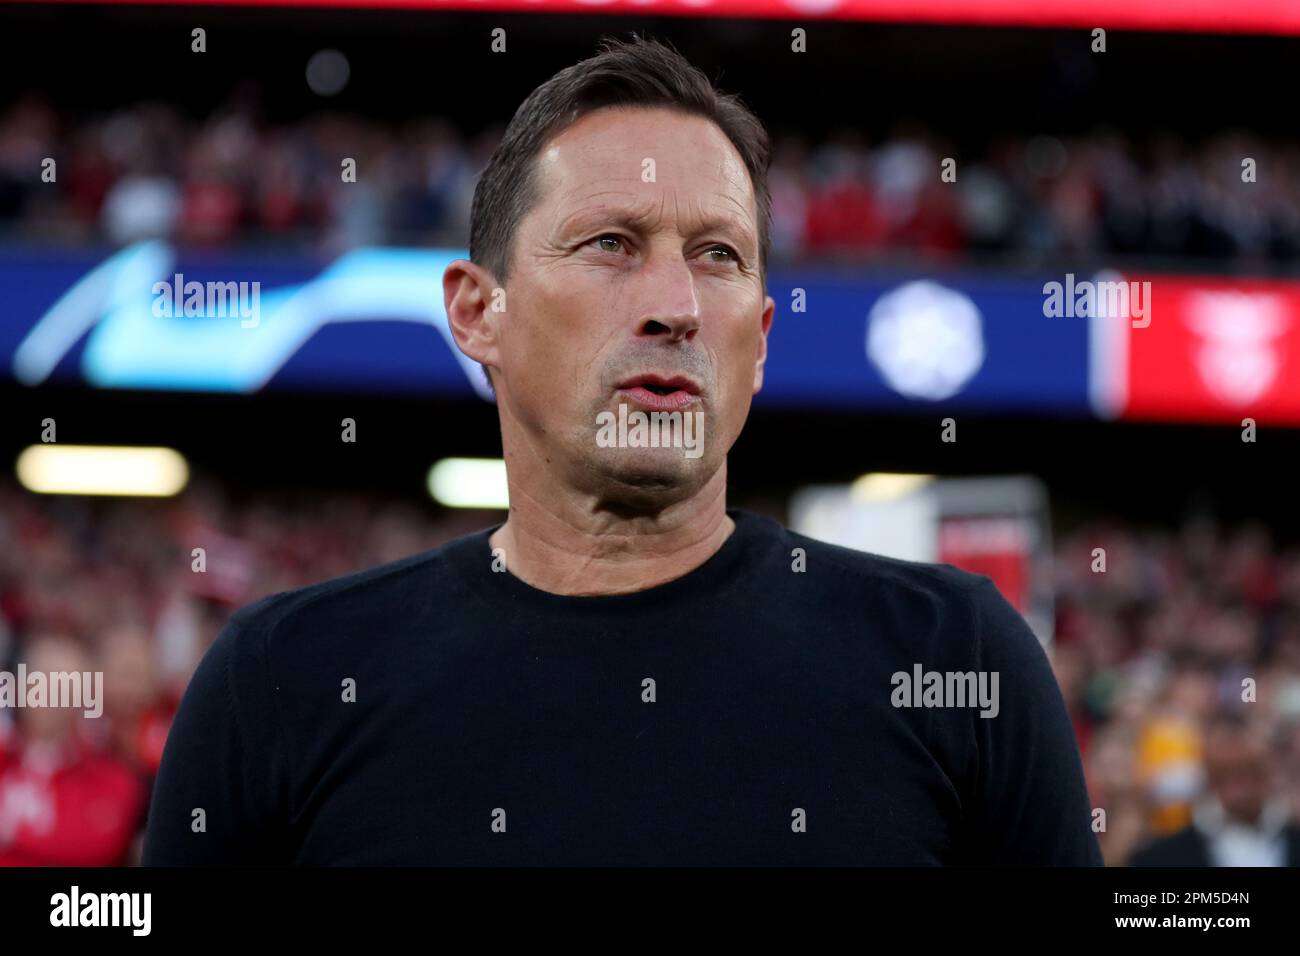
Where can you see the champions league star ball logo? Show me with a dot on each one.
(926, 340)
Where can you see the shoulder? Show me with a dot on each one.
(963, 611)
(369, 601)
(941, 581)
(851, 574)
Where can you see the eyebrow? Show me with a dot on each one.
(637, 221)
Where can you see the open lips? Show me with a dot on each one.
(668, 393)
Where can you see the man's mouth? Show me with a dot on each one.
(661, 392)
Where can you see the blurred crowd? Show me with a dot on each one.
(148, 171)
(1180, 664)
(1178, 657)
(113, 585)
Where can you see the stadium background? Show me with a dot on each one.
(1068, 161)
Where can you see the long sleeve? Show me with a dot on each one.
(1029, 799)
(218, 797)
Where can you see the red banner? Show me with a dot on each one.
(1206, 16)
(1214, 351)
(999, 547)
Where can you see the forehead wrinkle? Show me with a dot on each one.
(744, 216)
(645, 213)
(731, 185)
(640, 213)
(634, 209)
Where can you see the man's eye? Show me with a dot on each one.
(609, 237)
(730, 254)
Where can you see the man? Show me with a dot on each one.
(1240, 821)
(64, 801)
(625, 671)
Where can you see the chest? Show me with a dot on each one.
(606, 765)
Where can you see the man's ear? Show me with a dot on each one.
(475, 303)
(769, 310)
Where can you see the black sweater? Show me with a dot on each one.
(438, 711)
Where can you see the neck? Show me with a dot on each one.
(575, 545)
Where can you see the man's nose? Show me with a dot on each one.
(672, 306)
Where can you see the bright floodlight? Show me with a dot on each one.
(470, 483)
(102, 470)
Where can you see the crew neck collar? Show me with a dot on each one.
(471, 558)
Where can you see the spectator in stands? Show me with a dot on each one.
(1243, 820)
(63, 802)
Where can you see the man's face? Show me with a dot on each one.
(47, 656)
(1236, 767)
(635, 281)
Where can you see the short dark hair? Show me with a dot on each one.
(635, 73)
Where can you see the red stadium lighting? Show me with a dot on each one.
(1204, 16)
